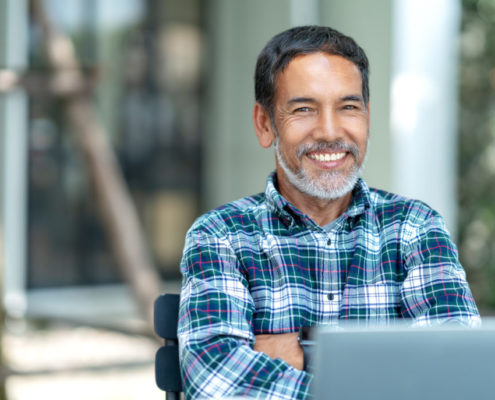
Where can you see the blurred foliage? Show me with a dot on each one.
(477, 150)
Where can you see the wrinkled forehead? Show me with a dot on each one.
(318, 69)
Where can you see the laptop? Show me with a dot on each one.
(403, 363)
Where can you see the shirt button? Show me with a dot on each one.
(330, 296)
(329, 242)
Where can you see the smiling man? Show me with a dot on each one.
(318, 246)
(319, 123)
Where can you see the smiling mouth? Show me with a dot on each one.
(326, 157)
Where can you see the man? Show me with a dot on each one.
(318, 246)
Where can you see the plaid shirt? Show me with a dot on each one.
(259, 265)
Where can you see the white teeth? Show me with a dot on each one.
(327, 157)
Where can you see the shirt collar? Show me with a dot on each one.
(361, 200)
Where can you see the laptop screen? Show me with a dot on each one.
(401, 363)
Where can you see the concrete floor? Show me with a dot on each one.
(64, 362)
(81, 358)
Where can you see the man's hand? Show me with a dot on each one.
(284, 346)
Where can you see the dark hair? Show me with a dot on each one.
(287, 45)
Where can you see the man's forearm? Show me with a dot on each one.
(284, 346)
(220, 367)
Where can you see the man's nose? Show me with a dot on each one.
(328, 126)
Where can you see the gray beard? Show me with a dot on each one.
(335, 185)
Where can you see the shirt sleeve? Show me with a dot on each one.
(435, 289)
(216, 334)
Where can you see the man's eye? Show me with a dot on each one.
(302, 109)
(350, 107)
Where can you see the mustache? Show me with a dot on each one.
(337, 145)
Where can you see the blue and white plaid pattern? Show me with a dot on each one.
(259, 265)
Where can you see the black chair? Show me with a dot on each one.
(167, 369)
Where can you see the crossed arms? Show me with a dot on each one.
(224, 353)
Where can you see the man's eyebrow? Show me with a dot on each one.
(353, 97)
(301, 100)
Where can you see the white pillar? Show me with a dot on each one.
(424, 103)
(13, 157)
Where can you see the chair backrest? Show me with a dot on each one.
(167, 368)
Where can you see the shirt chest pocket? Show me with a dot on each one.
(375, 302)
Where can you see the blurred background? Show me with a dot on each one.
(121, 121)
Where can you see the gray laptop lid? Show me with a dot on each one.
(403, 364)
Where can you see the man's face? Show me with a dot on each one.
(321, 123)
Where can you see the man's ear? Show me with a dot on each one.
(263, 126)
